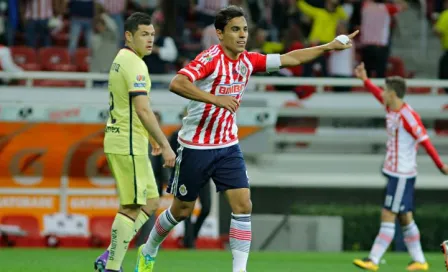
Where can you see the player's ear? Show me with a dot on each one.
(128, 36)
(220, 34)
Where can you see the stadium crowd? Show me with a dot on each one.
(93, 29)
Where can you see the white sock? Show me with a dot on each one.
(240, 238)
(164, 224)
(382, 241)
(412, 240)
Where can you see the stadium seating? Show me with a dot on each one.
(30, 225)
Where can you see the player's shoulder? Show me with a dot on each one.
(409, 114)
(128, 59)
(210, 55)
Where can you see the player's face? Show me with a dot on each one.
(234, 36)
(388, 96)
(143, 39)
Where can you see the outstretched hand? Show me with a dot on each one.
(360, 72)
(338, 45)
(444, 169)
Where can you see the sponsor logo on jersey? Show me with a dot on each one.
(140, 77)
(231, 89)
(139, 85)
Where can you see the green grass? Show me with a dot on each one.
(64, 260)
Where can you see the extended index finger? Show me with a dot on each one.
(351, 36)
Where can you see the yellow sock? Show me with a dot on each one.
(121, 234)
(139, 222)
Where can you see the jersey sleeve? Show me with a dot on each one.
(413, 125)
(392, 8)
(264, 63)
(199, 68)
(375, 90)
(136, 80)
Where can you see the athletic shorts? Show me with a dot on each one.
(399, 194)
(195, 167)
(134, 177)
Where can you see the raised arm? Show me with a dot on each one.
(413, 124)
(300, 56)
(360, 72)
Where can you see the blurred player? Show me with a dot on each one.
(406, 132)
(215, 82)
(126, 140)
(444, 247)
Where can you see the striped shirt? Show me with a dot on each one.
(39, 9)
(375, 22)
(115, 6)
(405, 131)
(207, 126)
(211, 6)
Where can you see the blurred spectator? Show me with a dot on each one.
(6, 61)
(104, 44)
(376, 19)
(325, 22)
(206, 10)
(164, 51)
(341, 63)
(9, 20)
(441, 29)
(81, 14)
(258, 43)
(37, 16)
(116, 10)
(209, 37)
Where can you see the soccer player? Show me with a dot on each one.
(215, 82)
(126, 140)
(405, 132)
(444, 247)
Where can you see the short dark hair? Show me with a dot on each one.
(226, 14)
(396, 84)
(136, 19)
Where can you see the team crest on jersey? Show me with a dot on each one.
(243, 69)
(183, 190)
(140, 77)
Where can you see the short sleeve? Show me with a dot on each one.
(137, 80)
(264, 63)
(413, 124)
(199, 68)
(392, 8)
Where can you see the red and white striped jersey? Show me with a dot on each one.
(39, 9)
(376, 22)
(207, 126)
(405, 131)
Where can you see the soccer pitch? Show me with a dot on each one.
(55, 260)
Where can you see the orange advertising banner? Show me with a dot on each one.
(47, 168)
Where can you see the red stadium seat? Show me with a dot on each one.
(100, 227)
(55, 59)
(82, 59)
(25, 57)
(30, 225)
(395, 67)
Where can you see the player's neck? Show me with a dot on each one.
(230, 54)
(396, 105)
(129, 46)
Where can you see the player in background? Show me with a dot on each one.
(131, 122)
(405, 132)
(215, 83)
(444, 247)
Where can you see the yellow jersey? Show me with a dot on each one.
(442, 27)
(128, 77)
